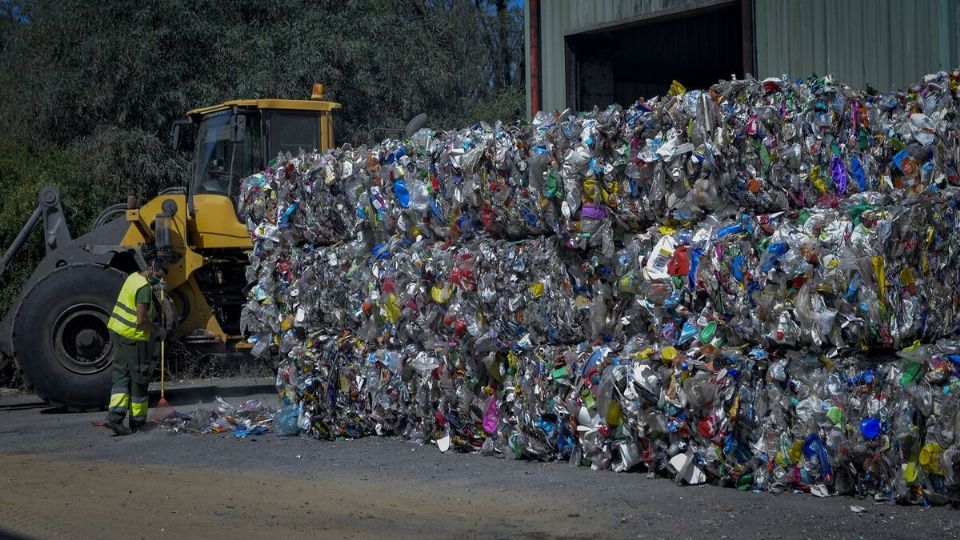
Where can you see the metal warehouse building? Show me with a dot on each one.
(583, 53)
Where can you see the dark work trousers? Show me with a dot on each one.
(132, 369)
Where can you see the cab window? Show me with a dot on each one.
(223, 162)
(292, 132)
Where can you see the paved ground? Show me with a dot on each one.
(61, 477)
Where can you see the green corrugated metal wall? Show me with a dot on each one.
(886, 43)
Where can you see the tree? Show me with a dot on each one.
(89, 90)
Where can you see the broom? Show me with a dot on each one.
(161, 411)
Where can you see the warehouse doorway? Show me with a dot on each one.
(640, 59)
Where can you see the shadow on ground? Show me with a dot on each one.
(208, 392)
(182, 364)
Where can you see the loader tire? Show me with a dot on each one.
(60, 336)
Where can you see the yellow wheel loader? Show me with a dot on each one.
(56, 330)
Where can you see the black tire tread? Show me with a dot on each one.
(38, 295)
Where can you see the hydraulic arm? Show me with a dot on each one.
(55, 231)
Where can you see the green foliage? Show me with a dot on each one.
(91, 174)
(24, 169)
(90, 89)
(507, 105)
(141, 64)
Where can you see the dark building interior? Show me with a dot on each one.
(622, 64)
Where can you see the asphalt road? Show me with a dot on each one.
(63, 477)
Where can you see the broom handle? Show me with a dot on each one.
(163, 347)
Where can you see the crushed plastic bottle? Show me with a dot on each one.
(250, 418)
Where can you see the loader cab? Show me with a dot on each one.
(237, 139)
(229, 148)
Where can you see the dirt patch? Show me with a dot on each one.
(84, 499)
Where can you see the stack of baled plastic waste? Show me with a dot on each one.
(754, 286)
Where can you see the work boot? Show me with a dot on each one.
(116, 427)
(137, 427)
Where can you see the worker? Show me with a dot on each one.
(132, 329)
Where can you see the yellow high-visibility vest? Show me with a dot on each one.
(123, 320)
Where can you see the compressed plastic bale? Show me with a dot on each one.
(702, 292)
(749, 145)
